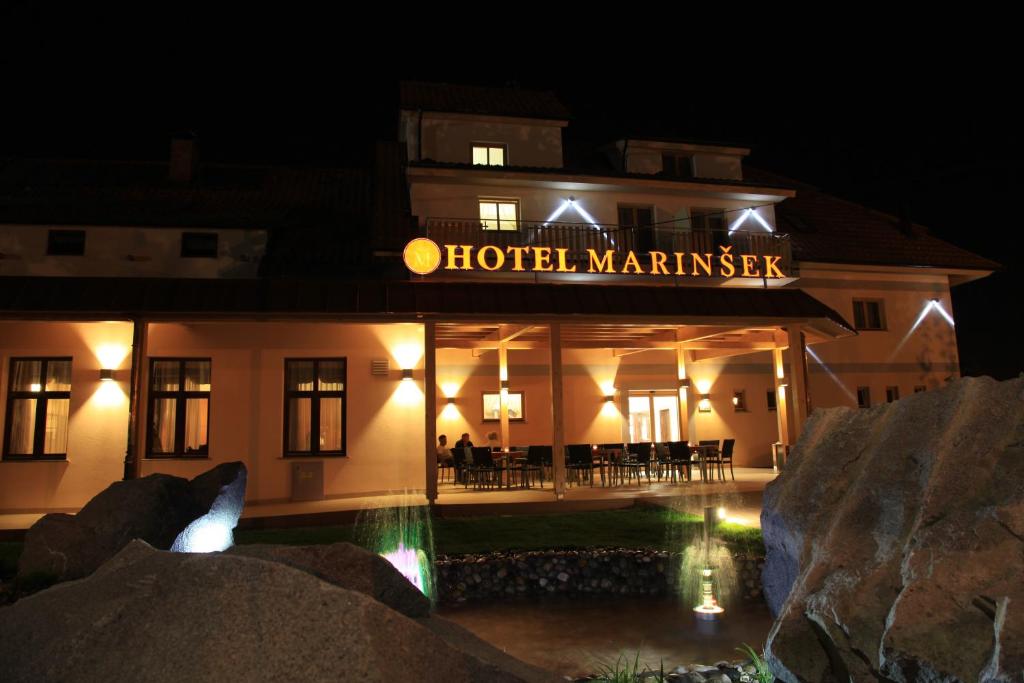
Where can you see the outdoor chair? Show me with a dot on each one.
(445, 465)
(725, 457)
(639, 460)
(461, 464)
(579, 458)
(533, 465)
(679, 459)
(710, 457)
(484, 472)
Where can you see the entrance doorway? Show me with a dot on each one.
(653, 416)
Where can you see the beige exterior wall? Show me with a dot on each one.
(129, 252)
(449, 138)
(461, 200)
(385, 426)
(98, 413)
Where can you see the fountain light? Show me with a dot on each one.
(708, 609)
(408, 562)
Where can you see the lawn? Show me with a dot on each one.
(636, 527)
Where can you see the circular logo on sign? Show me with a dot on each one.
(422, 256)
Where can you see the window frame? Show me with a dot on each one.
(740, 406)
(483, 399)
(180, 409)
(892, 394)
(489, 146)
(920, 388)
(42, 397)
(864, 315)
(867, 396)
(498, 201)
(314, 408)
(677, 158)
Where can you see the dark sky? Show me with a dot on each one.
(900, 124)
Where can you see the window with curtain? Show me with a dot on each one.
(38, 403)
(499, 214)
(314, 411)
(179, 407)
(485, 154)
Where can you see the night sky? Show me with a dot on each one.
(925, 129)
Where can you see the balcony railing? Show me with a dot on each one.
(577, 238)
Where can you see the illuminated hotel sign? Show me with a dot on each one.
(423, 256)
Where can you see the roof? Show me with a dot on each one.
(471, 99)
(824, 228)
(156, 297)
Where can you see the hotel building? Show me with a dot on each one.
(325, 325)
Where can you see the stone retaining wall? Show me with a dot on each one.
(573, 572)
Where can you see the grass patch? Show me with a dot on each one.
(636, 527)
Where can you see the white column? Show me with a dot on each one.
(683, 394)
(557, 417)
(797, 388)
(430, 406)
(503, 393)
(781, 395)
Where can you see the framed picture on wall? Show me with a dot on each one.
(492, 406)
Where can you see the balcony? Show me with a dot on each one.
(577, 238)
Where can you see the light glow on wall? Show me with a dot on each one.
(931, 305)
(750, 213)
(703, 386)
(111, 356)
(109, 394)
(583, 213)
(407, 393)
(407, 354)
(828, 371)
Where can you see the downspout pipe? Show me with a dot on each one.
(132, 463)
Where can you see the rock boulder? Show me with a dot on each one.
(156, 509)
(348, 566)
(895, 540)
(160, 616)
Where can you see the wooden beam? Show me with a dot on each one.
(503, 394)
(557, 411)
(488, 345)
(798, 374)
(710, 354)
(781, 412)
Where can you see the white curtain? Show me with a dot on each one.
(56, 440)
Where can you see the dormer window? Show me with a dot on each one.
(489, 154)
(499, 214)
(677, 165)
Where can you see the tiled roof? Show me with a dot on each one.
(825, 228)
(469, 99)
(156, 297)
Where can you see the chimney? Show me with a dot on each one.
(184, 158)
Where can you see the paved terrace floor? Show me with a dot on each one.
(741, 499)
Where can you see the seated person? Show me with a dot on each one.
(492, 441)
(464, 442)
(444, 454)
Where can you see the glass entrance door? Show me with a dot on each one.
(653, 416)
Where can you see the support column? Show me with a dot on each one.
(798, 386)
(781, 397)
(430, 406)
(503, 393)
(557, 415)
(683, 394)
(136, 435)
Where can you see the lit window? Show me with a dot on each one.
(892, 394)
(499, 214)
(199, 245)
(314, 422)
(739, 400)
(492, 406)
(677, 165)
(489, 155)
(179, 407)
(868, 314)
(920, 388)
(863, 397)
(38, 403)
(65, 242)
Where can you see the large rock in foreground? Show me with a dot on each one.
(895, 540)
(149, 615)
(348, 566)
(160, 509)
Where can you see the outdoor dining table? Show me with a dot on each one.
(702, 453)
(507, 458)
(605, 459)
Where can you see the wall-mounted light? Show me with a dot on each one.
(504, 384)
(609, 399)
(704, 405)
(106, 375)
(684, 383)
(406, 374)
(450, 400)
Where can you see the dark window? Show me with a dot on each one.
(713, 224)
(65, 242)
(199, 245)
(863, 397)
(179, 407)
(677, 165)
(638, 222)
(920, 388)
(314, 406)
(38, 403)
(868, 314)
(771, 400)
(892, 394)
(739, 400)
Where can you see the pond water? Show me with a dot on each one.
(575, 636)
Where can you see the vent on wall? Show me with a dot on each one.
(380, 367)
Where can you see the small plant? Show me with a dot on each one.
(762, 674)
(624, 672)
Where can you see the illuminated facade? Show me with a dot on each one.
(156, 320)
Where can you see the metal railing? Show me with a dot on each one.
(577, 238)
